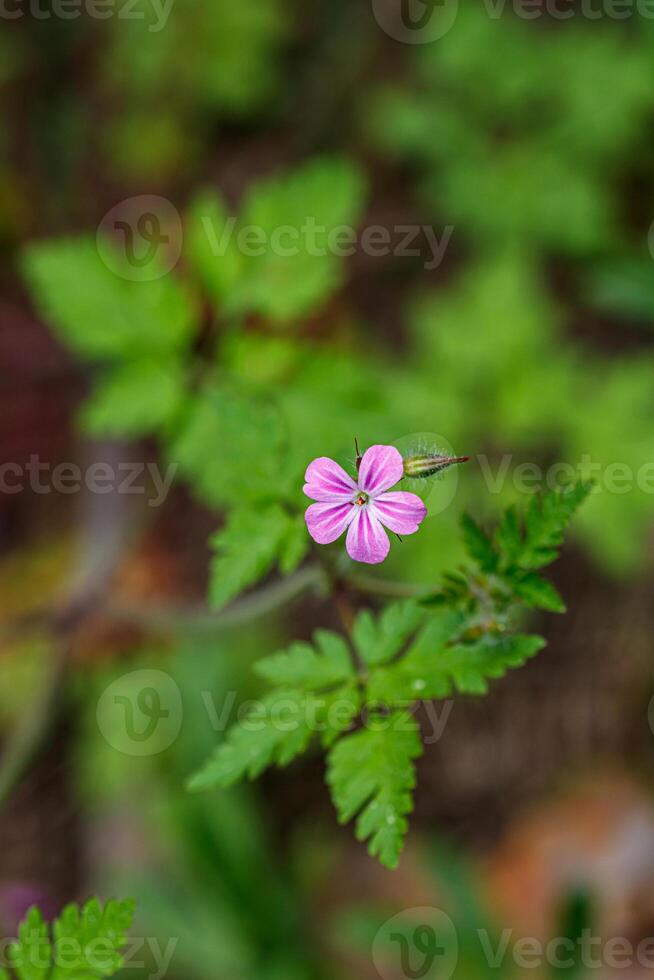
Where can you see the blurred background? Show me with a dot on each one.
(511, 149)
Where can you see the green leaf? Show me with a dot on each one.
(508, 536)
(85, 943)
(381, 639)
(247, 547)
(230, 447)
(371, 772)
(547, 519)
(294, 545)
(99, 314)
(31, 956)
(276, 730)
(134, 399)
(468, 667)
(310, 667)
(478, 544)
(210, 244)
(327, 193)
(537, 593)
(432, 669)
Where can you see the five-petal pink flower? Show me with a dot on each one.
(363, 508)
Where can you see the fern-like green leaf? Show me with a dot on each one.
(323, 665)
(276, 731)
(537, 593)
(547, 518)
(247, 549)
(433, 670)
(371, 772)
(478, 545)
(380, 639)
(83, 944)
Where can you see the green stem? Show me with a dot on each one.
(383, 587)
(159, 616)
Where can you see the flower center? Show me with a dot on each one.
(361, 499)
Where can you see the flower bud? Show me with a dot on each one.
(425, 465)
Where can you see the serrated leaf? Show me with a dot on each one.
(276, 731)
(31, 956)
(537, 593)
(478, 545)
(371, 772)
(471, 666)
(255, 743)
(292, 275)
(508, 537)
(84, 943)
(247, 548)
(547, 519)
(100, 315)
(134, 399)
(433, 670)
(230, 447)
(380, 639)
(326, 663)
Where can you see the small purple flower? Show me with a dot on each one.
(364, 507)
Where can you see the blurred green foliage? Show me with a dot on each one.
(532, 139)
(192, 65)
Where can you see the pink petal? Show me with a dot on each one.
(381, 468)
(326, 521)
(366, 540)
(326, 480)
(399, 511)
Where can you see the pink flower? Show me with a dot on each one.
(364, 507)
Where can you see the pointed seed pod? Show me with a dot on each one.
(418, 467)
